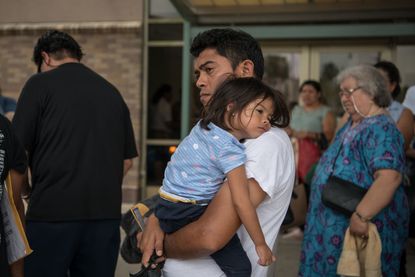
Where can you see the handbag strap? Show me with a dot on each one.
(338, 152)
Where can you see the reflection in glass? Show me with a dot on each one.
(164, 96)
(405, 60)
(165, 31)
(162, 9)
(331, 63)
(161, 105)
(282, 73)
(157, 159)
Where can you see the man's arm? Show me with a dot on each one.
(203, 237)
(128, 163)
(214, 229)
(405, 126)
(17, 268)
(19, 182)
(219, 222)
(9, 115)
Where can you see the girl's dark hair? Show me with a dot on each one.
(393, 75)
(241, 92)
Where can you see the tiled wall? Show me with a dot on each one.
(114, 54)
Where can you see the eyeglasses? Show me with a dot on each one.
(347, 92)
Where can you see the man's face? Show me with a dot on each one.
(210, 70)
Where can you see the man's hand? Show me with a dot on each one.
(151, 240)
(16, 269)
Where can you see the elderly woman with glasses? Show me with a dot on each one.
(367, 151)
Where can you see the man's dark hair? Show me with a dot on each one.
(58, 44)
(235, 45)
(240, 92)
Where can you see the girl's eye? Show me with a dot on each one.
(259, 111)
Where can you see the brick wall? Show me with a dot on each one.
(113, 53)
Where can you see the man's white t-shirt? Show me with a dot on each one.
(270, 161)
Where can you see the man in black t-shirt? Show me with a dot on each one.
(76, 129)
(12, 160)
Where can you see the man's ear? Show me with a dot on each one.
(245, 69)
(45, 57)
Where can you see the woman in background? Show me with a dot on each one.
(311, 129)
(312, 124)
(367, 151)
(402, 116)
(162, 117)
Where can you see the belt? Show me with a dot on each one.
(173, 199)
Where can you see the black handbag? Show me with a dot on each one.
(132, 222)
(341, 195)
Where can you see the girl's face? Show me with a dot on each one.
(253, 121)
(309, 95)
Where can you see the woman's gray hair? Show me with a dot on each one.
(370, 81)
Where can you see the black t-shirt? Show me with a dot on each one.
(77, 131)
(12, 156)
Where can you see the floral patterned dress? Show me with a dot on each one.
(372, 145)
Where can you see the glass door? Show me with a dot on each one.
(284, 69)
(327, 62)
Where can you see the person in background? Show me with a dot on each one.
(312, 128)
(219, 53)
(367, 151)
(77, 131)
(161, 128)
(401, 115)
(162, 102)
(14, 162)
(7, 106)
(409, 102)
(311, 122)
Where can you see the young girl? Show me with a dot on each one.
(241, 108)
